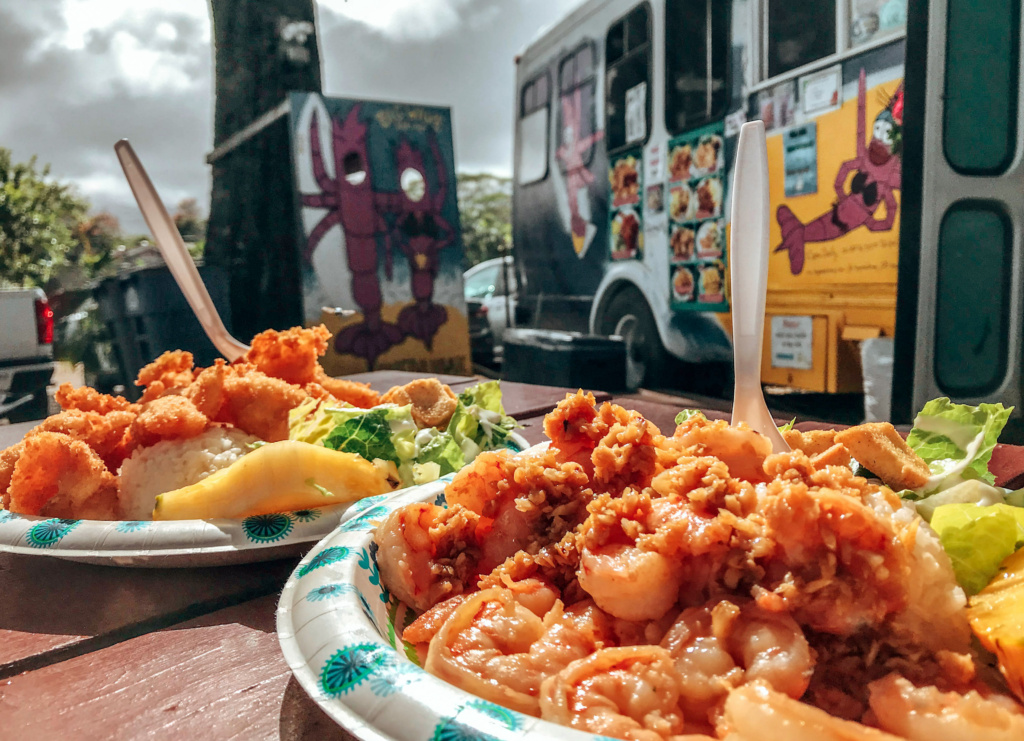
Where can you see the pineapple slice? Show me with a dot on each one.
(996, 614)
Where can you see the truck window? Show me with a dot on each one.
(799, 32)
(628, 73)
(576, 112)
(484, 284)
(870, 20)
(696, 53)
(534, 105)
(980, 113)
(972, 318)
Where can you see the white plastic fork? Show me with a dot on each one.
(172, 247)
(749, 268)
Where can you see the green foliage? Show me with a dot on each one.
(485, 211)
(38, 223)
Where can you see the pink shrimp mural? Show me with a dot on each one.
(876, 171)
(380, 229)
(577, 177)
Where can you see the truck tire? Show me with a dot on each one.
(36, 408)
(629, 316)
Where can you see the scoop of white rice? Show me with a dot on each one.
(172, 464)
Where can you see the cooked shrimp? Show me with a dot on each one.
(496, 648)
(756, 712)
(428, 553)
(355, 393)
(630, 583)
(58, 476)
(104, 433)
(258, 404)
(926, 714)
(628, 693)
(615, 446)
(167, 418)
(742, 449)
(531, 497)
(721, 646)
(206, 392)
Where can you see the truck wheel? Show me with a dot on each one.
(34, 409)
(629, 316)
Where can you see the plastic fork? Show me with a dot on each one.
(749, 257)
(172, 247)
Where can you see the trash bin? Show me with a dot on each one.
(147, 314)
(572, 359)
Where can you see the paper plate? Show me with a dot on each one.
(338, 627)
(181, 543)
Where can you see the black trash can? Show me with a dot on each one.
(571, 359)
(147, 314)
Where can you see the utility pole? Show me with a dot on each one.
(264, 49)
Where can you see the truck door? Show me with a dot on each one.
(959, 309)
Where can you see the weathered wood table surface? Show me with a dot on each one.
(95, 652)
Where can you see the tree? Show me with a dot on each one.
(189, 220)
(38, 223)
(485, 212)
(264, 49)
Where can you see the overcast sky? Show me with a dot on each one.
(77, 75)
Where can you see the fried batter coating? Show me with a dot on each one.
(206, 392)
(258, 404)
(8, 459)
(879, 447)
(167, 418)
(433, 403)
(172, 370)
(58, 476)
(811, 442)
(290, 355)
(104, 433)
(742, 449)
(86, 399)
(355, 393)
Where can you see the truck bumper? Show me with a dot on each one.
(19, 383)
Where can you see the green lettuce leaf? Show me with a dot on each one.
(386, 432)
(977, 539)
(444, 451)
(687, 414)
(485, 395)
(956, 440)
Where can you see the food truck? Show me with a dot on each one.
(892, 135)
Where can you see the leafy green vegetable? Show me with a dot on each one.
(444, 451)
(956, 440)
(367, 433)
(788, 426)
(486, 395)
(977, 539)
(687, 414)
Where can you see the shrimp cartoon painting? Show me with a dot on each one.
(868, 200)
(577, 177)
(382, 255)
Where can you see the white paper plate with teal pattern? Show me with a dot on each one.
(170, 543)
(339, 629)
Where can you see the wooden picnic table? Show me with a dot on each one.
(98, 652)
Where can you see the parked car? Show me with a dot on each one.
(481, 338)
(493, 283)
(26, 353)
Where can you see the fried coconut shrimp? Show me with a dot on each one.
(169, 373)
(257, 403)
(293, 356)
(58, 476)
(85, 399)
(106, 433)
(167, 418)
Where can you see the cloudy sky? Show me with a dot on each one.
(77, 75)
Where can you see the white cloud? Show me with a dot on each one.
(85, 16)
(418, 20)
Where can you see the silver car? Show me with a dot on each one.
(493, 283)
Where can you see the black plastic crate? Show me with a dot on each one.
(571, 359)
